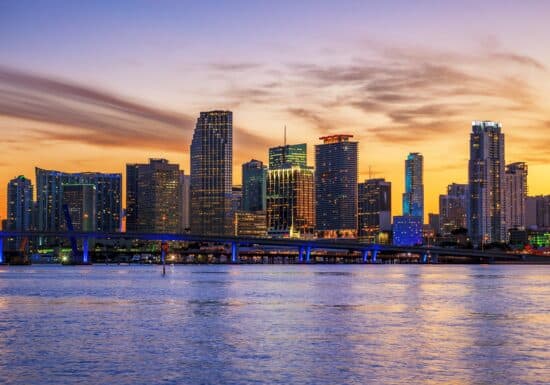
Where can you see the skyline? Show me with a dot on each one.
(143, 71)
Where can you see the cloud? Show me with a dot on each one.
(96, 117)
(234, 66)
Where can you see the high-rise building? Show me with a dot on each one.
(290, 199)
(20, 208)
(236, 199)
(288, 155)
(538, 212)
(515, 193)
(253, 179)
(434, 223)
(185, 196)
(211, 174)
(453, 208)
(336, 186)
(413, 197)
(153, 194)
(407, 230)
(81, 203)
(250, 224)
(486, 215)
(374, 209)
(108, 199)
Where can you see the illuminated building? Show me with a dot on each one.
(486, 214)
(20, 207)
(539, 239)
(80, 200)
(288, 155)
(250, 224)
(374, 209)
(211, 174)
(515, 193)
(185, 196)
(413, 197)
(538, 212)
(434, 222)
(153, 197)
(253, 179)
(407, 230)
(453, 209)
(290, 198)
(108, 199)
(336, 187)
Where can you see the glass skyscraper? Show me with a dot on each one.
(374, 209)
(81, 203)
(336, 186)
(413, 198)
(49, 191)
(289, 155)
(486, 215)
(253, 184)
(154, 202)
(453, 209)
(211, 174)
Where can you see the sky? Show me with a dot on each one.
(91, 86)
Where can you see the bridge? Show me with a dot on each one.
(304, 247)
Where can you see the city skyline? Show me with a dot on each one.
(98, 111)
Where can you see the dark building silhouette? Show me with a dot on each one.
(374, 209)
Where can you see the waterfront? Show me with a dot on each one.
(319, 324)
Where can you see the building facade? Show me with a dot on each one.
(453, 209)
(19, 208)
(153, 194)
(413, 197)
(211, 174)
(253, 184)
(374, 209)
(81, 204)
(407, 230)
(486, 214)
(288, 155)
(515, 194)
(185, 196)
(538, 212)
(250, 224)
(336, 186)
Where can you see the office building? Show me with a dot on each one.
(453, 208)
(253, 185)
(336, 186)
(515, 194)
(413, 197)
(81, 204)
(374, 209)
(486, 215)
(407, 230)
(19, 208)
(185, 196)
(108, 199)
(538, 212)
(250, 224)
(288, 155)
(211, 174)
(153, 197)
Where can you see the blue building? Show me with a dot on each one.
(413, 198)
(407, 230)
(336, 186)
(253, 186)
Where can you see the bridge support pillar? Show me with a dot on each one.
(85, 250)
(365, 256)
(374, 255)
(1, 250)
(301, 254)
(435, 258)
(234, 252)
(308, 254)
(424, 258)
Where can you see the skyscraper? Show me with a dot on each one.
(153, 197)
(185, 198)
(486, 216)
(20, 208)
(538, 212)
(289, 154)
(49, 198)
(81, 203)
(253, 179)
(336, 186)
(374, 208)
(453, 209)
(211, 174)
(515, 193)
(413, 197)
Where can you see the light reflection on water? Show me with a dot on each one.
(275, 325)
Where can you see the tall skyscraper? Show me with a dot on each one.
(515, 193)
(413, 198)
(81, 203)
(453, 208)
(20, 204)
(486, 215)
(538, 212)
(153, 197)
(185, 197)
(374, 208)
(336, 186)
(211, 174)
(288, 155)
(253, 178)
(49, 191)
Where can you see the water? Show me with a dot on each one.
(275, 325)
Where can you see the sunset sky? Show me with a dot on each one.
(93, 85)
